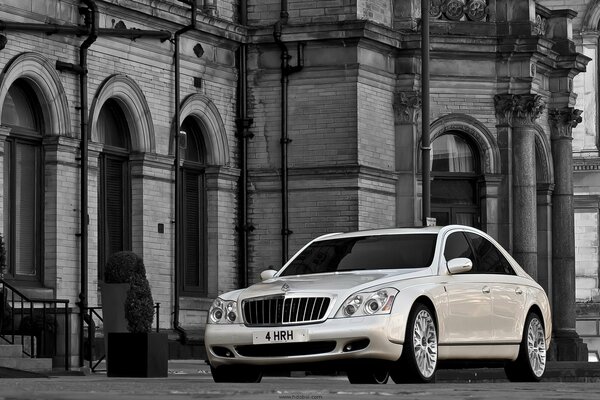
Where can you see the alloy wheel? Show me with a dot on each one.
(536, 347)
(425, 343)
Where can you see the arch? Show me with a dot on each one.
(206, 114)
(477, 132)
(42, 77)
(130, 97)
(591, 19)
(543, 154)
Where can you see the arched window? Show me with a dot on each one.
(194, 262)
(114, 214)
(23, 183)
(454, 188)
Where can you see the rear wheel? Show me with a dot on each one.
(418, 362)
(378, 375)
(242, 374)
(531, 362)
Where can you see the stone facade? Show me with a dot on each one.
(330, 93)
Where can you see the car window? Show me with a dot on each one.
(365, 253)
(489, 258)
(457, 246)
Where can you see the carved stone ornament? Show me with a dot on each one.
(562, 121)
(539, 29)
(454, 10)
(519, 108)
(476, 10)
(436, 7)
(407, 106)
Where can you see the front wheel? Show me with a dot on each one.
(418, 362)
(378, 375)
(531, 362)
(239, 374)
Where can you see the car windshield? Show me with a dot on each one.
(364, 253)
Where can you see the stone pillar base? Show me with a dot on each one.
(568, 346)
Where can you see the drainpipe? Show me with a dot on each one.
(425, 135)
(83, 50)
(178, 216)
(243, 124)
(286, 71)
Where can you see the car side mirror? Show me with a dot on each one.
(459, 265)
(267, 274)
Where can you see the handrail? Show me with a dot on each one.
(93, 311)
(35, 319)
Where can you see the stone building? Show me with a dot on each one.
(237, 130)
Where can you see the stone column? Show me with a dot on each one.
(567, 346)
(521, 111)
(406, 110)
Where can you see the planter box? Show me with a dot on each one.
(113, 308)
(137, 355)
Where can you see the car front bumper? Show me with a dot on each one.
(334, 340)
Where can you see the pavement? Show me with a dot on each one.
(565, 371)
(191, 379)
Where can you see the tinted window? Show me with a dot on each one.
(489, 258)
(458, 246)
(365, 253)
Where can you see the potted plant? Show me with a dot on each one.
(133, 349)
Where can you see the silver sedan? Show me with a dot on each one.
(393, 303)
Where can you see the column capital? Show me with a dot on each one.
(563, 120)
(518, 109)
(407, 106)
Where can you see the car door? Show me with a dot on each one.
(508, 299)
(469, 305)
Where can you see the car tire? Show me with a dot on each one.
(377, 375)
(418, 362)
(239, 374)
(530, 364)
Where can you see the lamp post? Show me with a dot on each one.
(425, 135)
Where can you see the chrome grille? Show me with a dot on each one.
(279, 310)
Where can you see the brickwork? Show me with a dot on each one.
(329, 11)
(345, 171)
(378, 11)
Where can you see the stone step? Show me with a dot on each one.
(11, 351)
(27, 364)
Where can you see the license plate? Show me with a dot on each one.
(280, 336)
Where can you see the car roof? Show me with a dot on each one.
(386, 231)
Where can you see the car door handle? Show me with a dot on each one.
(519, 290)
(486, 289)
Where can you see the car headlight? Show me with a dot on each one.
(222, 312)
(368, 303)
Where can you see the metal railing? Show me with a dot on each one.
(33, 322)
(94, 315)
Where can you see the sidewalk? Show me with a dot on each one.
(555, 372)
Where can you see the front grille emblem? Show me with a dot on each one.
(285, 287)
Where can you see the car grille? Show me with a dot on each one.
(279, 310)
(286, 349)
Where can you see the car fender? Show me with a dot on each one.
(536, 297)
(404, 302)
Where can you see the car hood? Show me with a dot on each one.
(337, 283)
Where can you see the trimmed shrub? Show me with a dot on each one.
(128, 267)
